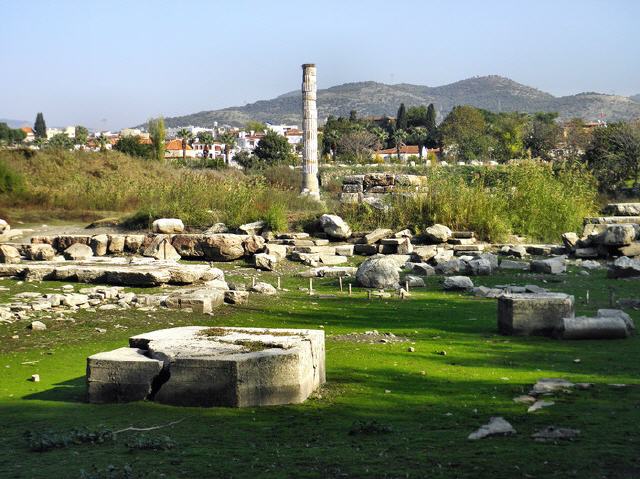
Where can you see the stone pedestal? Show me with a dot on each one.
(530, 314)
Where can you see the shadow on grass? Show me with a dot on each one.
(72, 390)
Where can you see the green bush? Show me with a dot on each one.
(10, 181)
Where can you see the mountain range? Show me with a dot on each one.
(493, 92)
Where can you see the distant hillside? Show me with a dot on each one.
(636, 98)
(493, 93)
(15, 123)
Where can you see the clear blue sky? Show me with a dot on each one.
(111, 64)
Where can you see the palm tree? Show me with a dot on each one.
(102, 141)
(399, 138)
(229, 141)
(185, 135)
(419, 135)
(381, 135)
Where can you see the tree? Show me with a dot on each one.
(102, 142)
(206, 138)
(401, 118)
(614, 155)
(576, 139)
(399, 138)
(81, 136)
(543, 135)
(185, 135)
(40, 127)
(228, 139)
(157, 135)
(357, 146)
(416, 116)
(508, 131)
(419, 135)
(10, 135)
(274, 149)
(131, 145)
(430, 124)
(60, 141)
(464, 132)
(256, 126)
(247, 160)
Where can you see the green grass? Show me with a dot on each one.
(431, 402)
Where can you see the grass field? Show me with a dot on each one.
(422, 404)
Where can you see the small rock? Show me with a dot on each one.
(411, 350)
(35, 378)
(37, 326)
(496, 426)
(539, 405)
(100, 330)
(552, 433)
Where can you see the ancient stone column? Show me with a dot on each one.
(310, 132)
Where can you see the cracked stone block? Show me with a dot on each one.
(233, 367)
(533, 313)
(121, 375)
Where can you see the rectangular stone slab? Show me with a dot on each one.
(531, 314)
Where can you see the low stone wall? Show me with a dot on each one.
(373, 186)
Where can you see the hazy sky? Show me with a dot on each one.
(111, 64)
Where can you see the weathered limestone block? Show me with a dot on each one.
(351, 198)
(133, 243)
(453, 266)
(62, 242)
(4, 227)
(377, 179)
(254, 228)
(9, 254)
(264, 288)
(345, 250)
(510, 264)
(457, 283)
(99, 244)
(533, 314)
(352, 188)
(78, 252)
(232, 367)
(116, 244)
(202, 300)
(279, 251)
(378, 272)
(121, 375)
(136, 277)
(168, 226)
(376, 235)
(161, 248)
(570, 239)
(437, 234)
(441, 256)
(414, 281)
(624, 267)
(423, 269)
(265, 261)
(335, 227)
(39, 252)
(622, 209)
(617, 235)
(549, 266)
(236, 297)
(631, 250)
(353, 179)
(479, 267)
(423, 254)
(365, 249)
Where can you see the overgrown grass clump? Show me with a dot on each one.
(67, 182)
(530, 199)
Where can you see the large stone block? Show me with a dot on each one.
(121, 375)
(533, 314)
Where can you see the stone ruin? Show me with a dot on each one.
(371, 188)
(204, 366)
(553, 314)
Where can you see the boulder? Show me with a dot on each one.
(414, 281)
(437, 234)
(422, 254)
(631, 250)
(168, 226)
(223, 247)
(570, 240)
(518, 251)
(253, 244)
(453, 266)
(378, 272)
(78, 252)
(423, 269)
(37, 326)
(624, 267)
(457, 283)
(9, 254)
(161, 248)
(99, 244)
(479, 267)
(279, 251)
(265, 261)
(236, 297)
(4, 227)
(264, 288)
(335, 227)
(133, 243)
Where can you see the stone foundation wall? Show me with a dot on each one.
(371, 187)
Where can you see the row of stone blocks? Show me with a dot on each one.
(201, 366)
(553, 314)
